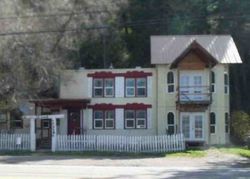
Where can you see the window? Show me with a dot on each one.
(212, 123)
(170, 82)
(226, 123)
(104, 119)
(103, 87)
(16, 119)
(212, 82)
(136, 87)
(135, 119)
(226, 83)
(3, 117)
(171, 124)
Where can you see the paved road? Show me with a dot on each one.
(22, 171)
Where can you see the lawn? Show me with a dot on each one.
(242, 151)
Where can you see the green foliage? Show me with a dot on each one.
(240, 125)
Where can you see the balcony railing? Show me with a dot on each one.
(194, 94)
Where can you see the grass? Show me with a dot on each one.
(242, 151)
(188, 153)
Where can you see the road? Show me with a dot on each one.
(22, 171)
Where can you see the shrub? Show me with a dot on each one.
(240, 124)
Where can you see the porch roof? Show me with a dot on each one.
(61, 103)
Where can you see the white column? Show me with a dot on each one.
(54, 133)
(32, 135)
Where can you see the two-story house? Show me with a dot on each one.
(186, 92)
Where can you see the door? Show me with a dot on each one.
(44, 134)
(192, 126)
(191, 86)
(74, 121)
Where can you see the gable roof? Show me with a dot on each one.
(166, 49)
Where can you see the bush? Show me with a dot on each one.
(240, 124)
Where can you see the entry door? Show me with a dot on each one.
(74, 121)
(191, 86)
(192, 126)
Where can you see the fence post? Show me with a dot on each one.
(32, 135)
(54, 143)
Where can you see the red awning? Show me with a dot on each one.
(61, 103)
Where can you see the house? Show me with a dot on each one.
(187, 91)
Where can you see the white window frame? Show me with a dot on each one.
(3, 117)
(129, 119)
(212, 125)
(109, 119)
(170, 84)
(142, 119)
(140, 87)
(98, 119)
(226, 86)
(97, 87)
(213, 86)
(130, 87)
(171, 125)
(108, 87)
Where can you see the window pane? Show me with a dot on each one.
(141, 82)
(98, 92)
(170, 88)
(109, 82)
(130, 91)
(109, 115)
(141, 91)
(109, 123)
(225, 79)
(212, 77)
(130, 123)
(170, 77)
(212, 118)
(98, 124)
(140, 114)
(141, 122)
(98, 83)
(212, 88)
(109, 92)
(170, 130)
(170, 118)
(129, 114)
(98, 115)
(130, 82)
(212, 129)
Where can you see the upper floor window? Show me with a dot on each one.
(170, 124)
(226, 83)
(103, 87)
(212, 122)
(170, 82)
(135, 119)
(136, 87)
(226, 123)
(104, 119)
(212, 82)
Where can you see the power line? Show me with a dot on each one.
(129, 24)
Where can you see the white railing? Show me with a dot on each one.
(164, 143)
(14, 141)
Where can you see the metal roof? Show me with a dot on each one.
(165, 49)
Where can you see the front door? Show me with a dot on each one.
(192, 126)
(74, 121)
(44, 140)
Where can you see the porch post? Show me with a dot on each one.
(32, 135)
(54, 134)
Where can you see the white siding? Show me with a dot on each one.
(149, 118)
(119, 87)
(119, 115)
(90, 83)
(149, 83)
(90, 118)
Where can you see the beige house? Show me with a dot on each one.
(186, 92)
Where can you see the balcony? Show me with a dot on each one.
(197, 95)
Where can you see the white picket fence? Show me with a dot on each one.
(164, 143)
(14, 141)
